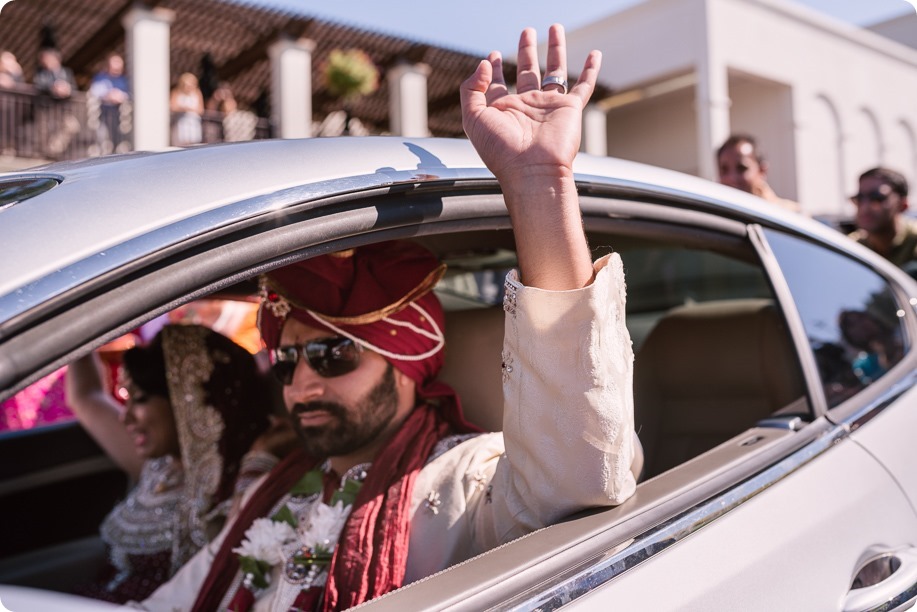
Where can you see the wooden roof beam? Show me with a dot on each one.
(103, 41)
(416, 54)
(257, 51)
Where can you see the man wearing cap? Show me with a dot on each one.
(392, 484)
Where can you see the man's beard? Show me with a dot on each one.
(350, 430)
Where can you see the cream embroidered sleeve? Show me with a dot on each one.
(568, 421)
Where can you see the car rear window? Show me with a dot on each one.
(850, 314)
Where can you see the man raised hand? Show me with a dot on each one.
(402, 484)
(529, 140)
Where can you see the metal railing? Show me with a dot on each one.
(237, 126)
(35, 126)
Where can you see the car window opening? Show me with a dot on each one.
(713, 355)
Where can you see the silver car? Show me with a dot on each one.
(773, 381)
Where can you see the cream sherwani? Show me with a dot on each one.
(567, 441)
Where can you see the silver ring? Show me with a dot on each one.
(554, 80)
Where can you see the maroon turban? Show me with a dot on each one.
(378, 295)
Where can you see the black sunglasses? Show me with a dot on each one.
(872, 196)
(329, 357)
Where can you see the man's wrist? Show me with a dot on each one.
(534, 180)
(548, 226)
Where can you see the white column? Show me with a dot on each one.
(712, 101)
(595, 131)
(407, 84)
(291, 87)
(713, 124)
(147, 59)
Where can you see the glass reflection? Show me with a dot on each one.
(849, 313)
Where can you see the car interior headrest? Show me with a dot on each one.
(474, 345)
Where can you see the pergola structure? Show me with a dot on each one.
(237, 38)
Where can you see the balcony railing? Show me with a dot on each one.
(35, 126)
(240, 125)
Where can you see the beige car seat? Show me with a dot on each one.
(706, 373)
(474, 344)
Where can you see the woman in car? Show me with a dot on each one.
(189, 434)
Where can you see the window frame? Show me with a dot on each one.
(870, 401)
(206, 265)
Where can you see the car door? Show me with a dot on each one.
(804, 541)
(56, 486)
(791, 513)
(786, 485)
(795, 545)
(799, 534)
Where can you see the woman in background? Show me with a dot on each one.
(187, 105)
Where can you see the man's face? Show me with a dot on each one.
(115, 65)
(739, 168)
(877, 205)
(342, 415)
(49, 60)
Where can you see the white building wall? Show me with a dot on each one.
(867, 80)
(661, 131)
(832, 99)
(903, 140)
(643, 43)
(764, 109)
(820, 141)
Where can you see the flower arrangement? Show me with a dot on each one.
(350, 74)
(268, 541)
(262, 549)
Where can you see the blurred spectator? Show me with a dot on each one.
(742, 166)
(10, 71)
(187, 105)
(880, 202)
(873, 341)
(111, 89)
(54, 118)
(53, 78)
(13, 110)
(238, 124)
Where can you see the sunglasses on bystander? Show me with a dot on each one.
(880, 197)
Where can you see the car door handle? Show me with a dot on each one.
(897, 591)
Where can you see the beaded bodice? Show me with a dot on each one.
(144, 523)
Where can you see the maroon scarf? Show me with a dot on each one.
(371, 556)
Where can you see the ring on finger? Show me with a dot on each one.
(554, 80)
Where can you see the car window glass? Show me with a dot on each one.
(44, 403)
(474, 278)
(713, 355)
(849, 312)
(663, 275)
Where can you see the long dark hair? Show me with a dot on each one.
(236, 389)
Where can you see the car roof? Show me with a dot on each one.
(107, 211)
